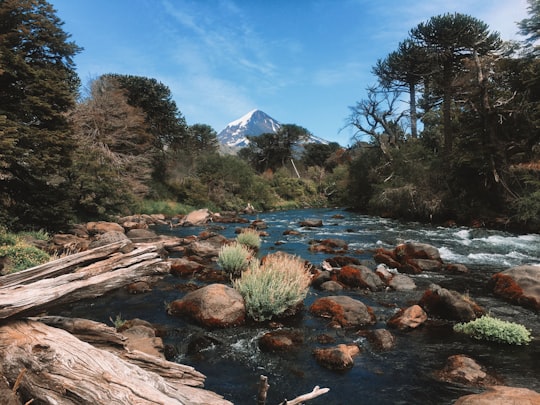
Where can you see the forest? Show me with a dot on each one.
(464, 148)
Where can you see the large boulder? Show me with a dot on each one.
(215, 305)
(196, 218)
(344, 311)
(501, 395)
(103, 226)
(520, 285)
(411, 257)
(441, 303)
(281, 340)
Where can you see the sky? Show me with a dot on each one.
(302, 62)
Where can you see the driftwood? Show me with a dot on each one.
(36, 291)
(64, 370)
(263, 391)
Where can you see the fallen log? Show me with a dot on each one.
(64, 370)
(91, 281)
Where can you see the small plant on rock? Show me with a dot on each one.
(269, 289)
(234, 258)
(249, 237)
(495, 330)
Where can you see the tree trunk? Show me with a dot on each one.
(59, 368)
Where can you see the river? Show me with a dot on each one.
(232, 361)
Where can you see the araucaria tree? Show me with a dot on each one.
(38, 84)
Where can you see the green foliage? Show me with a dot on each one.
(249, 237)
(271, 288)
(495, 330)
(167, 208)
(39, 84)
(234, 258)
(18, 253)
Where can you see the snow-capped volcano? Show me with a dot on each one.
(253, 123)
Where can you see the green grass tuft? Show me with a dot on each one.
(495, 330)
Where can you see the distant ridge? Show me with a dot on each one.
(254, 123)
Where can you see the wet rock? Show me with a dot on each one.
(281, 341)
(501, 395)
(413, 250)
(345, 311)
(381, 339)
(411, 257)
(408, 318)
(320, 277)
(340, 261)
(337, 358)
(196, 218)
(439, 302)
(461, 369)
(424, 265)
(138, 287)
(519, 285)
(200, 343)
(311, 223)
(215, 305)
(258, 224)
(360, 277)
(291, 232)
(455, 268)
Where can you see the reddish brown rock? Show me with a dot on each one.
(408, 318)
(311, 223)
(401, 282)
(102, 227)
(345, 311)
(386, 257)
(501, 395)
(339, 357)
(281, 341)
(461, 369)
(360, 277)
(138, 287)
(455, 268)
(447, 304)
(519, 285)
(215, 305)
(184, 267)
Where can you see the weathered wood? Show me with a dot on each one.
(88, 282)
(65, 264)
(62, 369)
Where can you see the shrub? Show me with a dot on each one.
(18, 253)
(234, 258)
(269, 289)
(495, 330)
(250, 238)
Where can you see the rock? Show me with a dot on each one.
(311, 223)
(196, 218)
(501, 395)
(381, 339)
(65, 243)
(386, 257)
(424, 265)
(109, 237)
(205, 248)
(141, 235)
(519, 285)
(215, 305)
(102, 227)
(321, 277)
(331, 286)
(409, 318)
(258, 224)
(184, 267)
(201, 342)
(335, 243)
(292, 232)
(281, 341)
(340, 261)
(360, 277)
(413, 250)
(338, 358)
(401, 282)
(345, 311)
(143, 338)
(411, 257)
(451, 305)
(138, 287)
(461, 369)
(455, 268)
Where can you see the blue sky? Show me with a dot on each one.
(302, 62)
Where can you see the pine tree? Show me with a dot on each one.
(38, 84)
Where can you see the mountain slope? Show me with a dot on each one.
(254, 123)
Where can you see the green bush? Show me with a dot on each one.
(234, 258)
(249, 237)
(269, 289)
(18, 253)
(495, 330)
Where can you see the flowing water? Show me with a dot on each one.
(232, 361)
